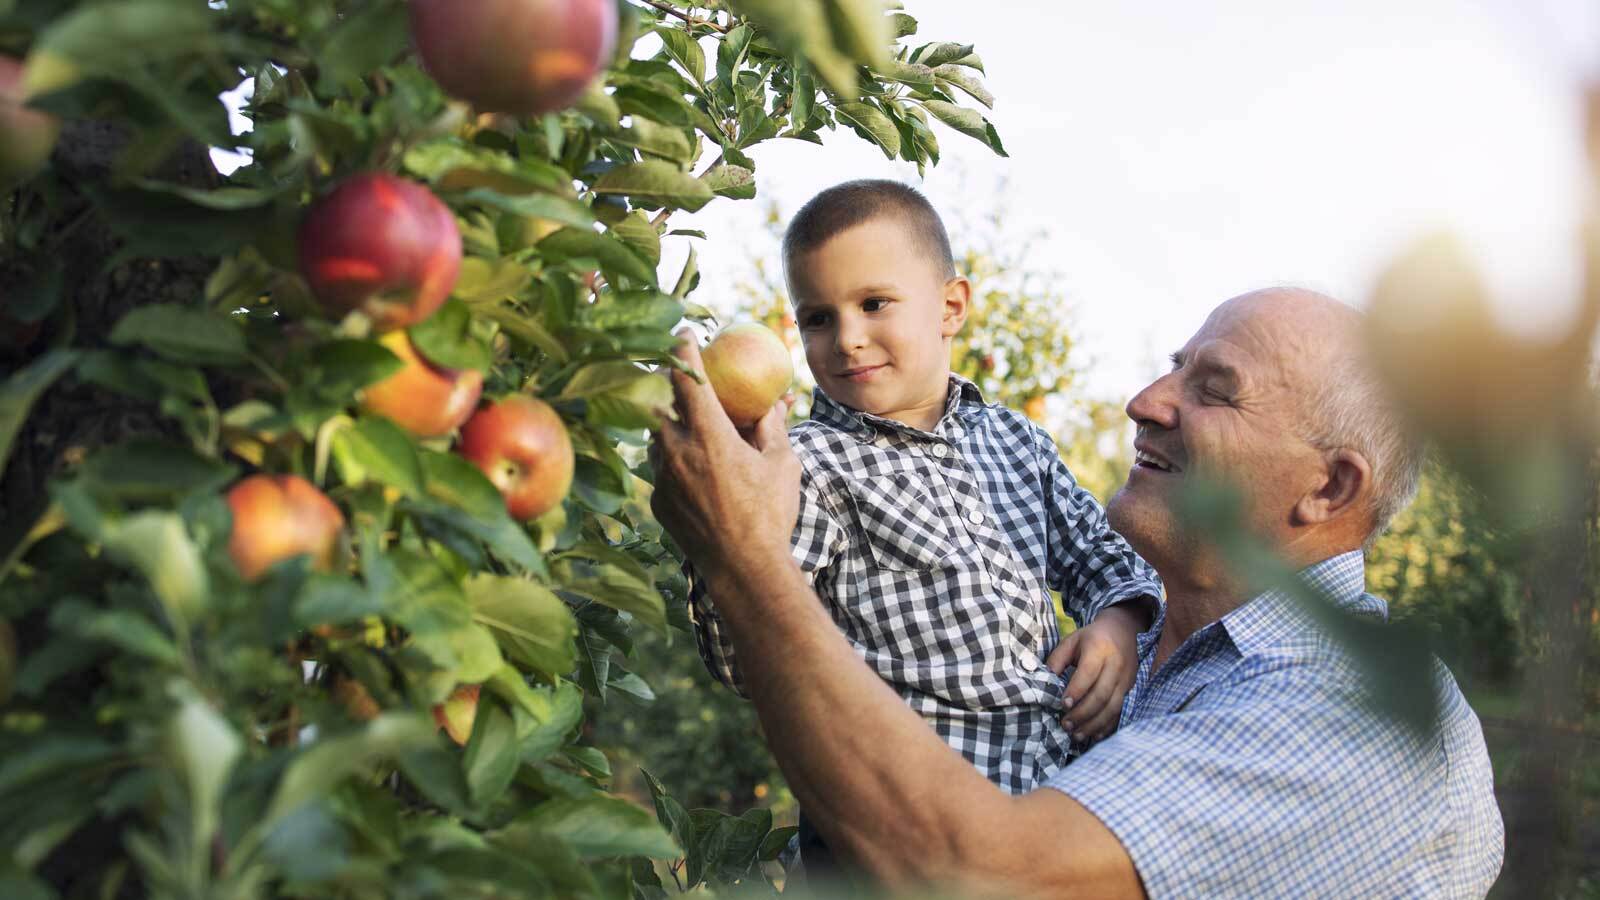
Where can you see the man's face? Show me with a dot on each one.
(1229, 411)
(875, 320)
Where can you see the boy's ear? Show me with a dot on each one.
(957, 299)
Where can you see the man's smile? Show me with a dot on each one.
(1147, 457)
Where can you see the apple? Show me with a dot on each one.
(383, 245)
(276, 517)
(457, 713)
(522, 445)
(526, 57)
(27, 136)
(750, 369)
(424, 399)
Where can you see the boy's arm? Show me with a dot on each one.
(817, 541)
(1089, 563)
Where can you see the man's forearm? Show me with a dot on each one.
(880, 784)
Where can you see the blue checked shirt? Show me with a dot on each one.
(1247, 766)
(934, 552)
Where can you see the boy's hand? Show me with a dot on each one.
(1106, 652)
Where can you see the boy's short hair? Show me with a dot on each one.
(844, 206)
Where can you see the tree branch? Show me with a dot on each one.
(674, 11)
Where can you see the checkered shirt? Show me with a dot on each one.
(933, 552)
(1247, 766)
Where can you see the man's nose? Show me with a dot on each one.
(1156, 404)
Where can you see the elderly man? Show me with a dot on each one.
(1246, 763)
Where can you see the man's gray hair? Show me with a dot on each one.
(1350, 408)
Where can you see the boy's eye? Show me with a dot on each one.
(814, 320)
(874, 304)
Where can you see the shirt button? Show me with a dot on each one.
(940, 450)
(1029, 660)
(976, 517)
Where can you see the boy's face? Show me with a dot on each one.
(876, 315)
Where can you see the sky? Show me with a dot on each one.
(1174, 154)
(1169, 155)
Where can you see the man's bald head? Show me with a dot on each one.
(1344, 405)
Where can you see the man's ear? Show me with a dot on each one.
(1345, 489)
(957, 299)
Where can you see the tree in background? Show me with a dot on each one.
(270, 624)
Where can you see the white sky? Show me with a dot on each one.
(1178, 153)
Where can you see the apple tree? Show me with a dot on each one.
(319, 519)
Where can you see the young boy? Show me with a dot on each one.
(932, 523)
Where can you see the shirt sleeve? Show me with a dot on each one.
(817, 542)
(1276, 789)
(1090, 564)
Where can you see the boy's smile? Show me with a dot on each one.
(877, 314)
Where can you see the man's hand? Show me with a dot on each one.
(730, 502)
(1106, 652)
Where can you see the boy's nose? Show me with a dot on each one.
(849, 338)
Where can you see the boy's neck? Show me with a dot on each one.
(923, 416)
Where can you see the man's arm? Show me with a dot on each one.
(882, 787)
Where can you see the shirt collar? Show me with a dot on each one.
(1274, 615)
(961, 396)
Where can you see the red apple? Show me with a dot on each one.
(276, 517)
(27, 136)
(424, 399)
(383, 245)
(457, 713)
(749, 367)
(522, 445)
(526, 57)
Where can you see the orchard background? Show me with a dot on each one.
(176, 724)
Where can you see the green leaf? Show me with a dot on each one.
(484, 281)
(598, 106)
(317, 770)
(544, 206)
(124, 629)
(861, 29)
(913, 74)
(967, 121)
(453, 165)
(346, 366)
(533, 626)
(641, 403)
(462, 498)
(871, 123)
(902, 25)
(491, 759)
(967, 82)
(775, 842)
(613, 256)
(147, 471)
(109, 39)
(23, 389)
(205, 747)
(156, 543)
(656, 139)
(684, 50)
(731, 51)
(182, 334)
(971, 61)
(597, 827)
(360, 42)
(736, 182)
(644, 310)
(655, 182)
(446, 339)
(937, 54)
(614, 587)
(376, 449)
(158, 225)
(636, 231)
